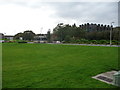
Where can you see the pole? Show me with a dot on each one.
(111, 34)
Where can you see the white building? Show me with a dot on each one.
(9, 37)
(41, 38)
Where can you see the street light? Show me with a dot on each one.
(111, 34)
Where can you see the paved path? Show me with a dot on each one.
(87, 44)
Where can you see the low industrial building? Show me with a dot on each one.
(8, 37)
(40, 38)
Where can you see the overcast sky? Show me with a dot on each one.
(20, 15)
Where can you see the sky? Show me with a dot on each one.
(41, 15)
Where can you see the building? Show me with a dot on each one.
(8, 37)
(41, 38)
(1, 36)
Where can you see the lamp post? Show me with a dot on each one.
(111, 34)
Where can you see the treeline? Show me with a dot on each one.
(66, 33)
(29, 35)
(26, 35)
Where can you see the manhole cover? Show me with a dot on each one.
(105, 79)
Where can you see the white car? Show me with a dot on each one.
(57, 41)
(1, 41)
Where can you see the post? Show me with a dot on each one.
(0, 66)
(111, 34)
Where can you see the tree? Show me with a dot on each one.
(67, 38)
(60, 31)
(28, 35)
(18, 35)
(48, 36)
(87, 31)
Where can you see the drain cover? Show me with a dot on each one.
(105, 79)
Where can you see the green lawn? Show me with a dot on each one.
(56, 66)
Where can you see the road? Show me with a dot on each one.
(88, 44)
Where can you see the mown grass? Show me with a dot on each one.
(56, 66)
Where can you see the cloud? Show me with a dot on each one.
(20, 15)
(101, 12)
(15, 18)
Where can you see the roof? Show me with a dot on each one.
(8, 36)
(40, 34)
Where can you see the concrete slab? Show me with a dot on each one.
(106, 77)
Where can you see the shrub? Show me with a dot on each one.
(77, 41)
(94, 41)
(115, 42)
(72, 40)
(84, 41)
(22, 41)
(103, 42)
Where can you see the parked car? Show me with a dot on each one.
(2, 41)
